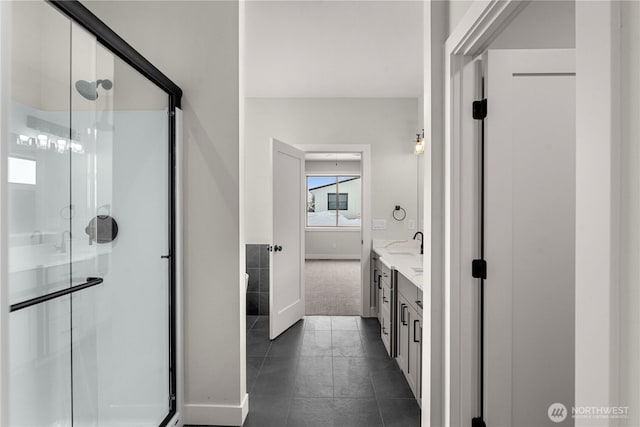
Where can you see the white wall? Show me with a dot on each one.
(541, 25)
(197, 45)
(435, 19)
(387, 124)
(597, 205)
(324, 244)
(630, 215)
(324, 166)
(455, 10)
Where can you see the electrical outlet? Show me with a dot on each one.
(379, 224)
(411, 224)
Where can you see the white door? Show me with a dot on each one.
(530, 236)
(286, 305)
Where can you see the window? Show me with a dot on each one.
(333, 201)
(22, 171)
(342, 201)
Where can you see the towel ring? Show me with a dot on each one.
(399, 214)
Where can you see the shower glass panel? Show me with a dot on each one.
(39, 216)
(89, 183)
(120, 328)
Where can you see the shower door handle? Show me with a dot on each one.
(91, 281)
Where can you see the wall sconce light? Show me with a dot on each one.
(419, 147)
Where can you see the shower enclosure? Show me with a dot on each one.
(91, 225)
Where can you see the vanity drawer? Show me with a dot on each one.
(410, 292)
(406, 288)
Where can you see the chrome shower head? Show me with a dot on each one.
(89, 90)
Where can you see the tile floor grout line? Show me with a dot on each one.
(264, 358)
(286, 419)
(373, 386)
(375, 393)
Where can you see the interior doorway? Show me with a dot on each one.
(510, 166)
(333, 233)
(337, 247)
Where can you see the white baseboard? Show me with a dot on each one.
(217, 415)
(332, 256)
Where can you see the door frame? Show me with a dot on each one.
(597, 205)
(365, 231)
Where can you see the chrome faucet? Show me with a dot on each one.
(63, 243)
(421, 241)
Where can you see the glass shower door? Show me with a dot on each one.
(120, 186)
(89, 212)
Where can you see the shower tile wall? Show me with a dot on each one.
(258, 271)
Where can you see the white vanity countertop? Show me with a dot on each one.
(404, 256)
(30, 257)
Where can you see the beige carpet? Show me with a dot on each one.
(332, 287)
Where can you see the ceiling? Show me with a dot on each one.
(309, 48)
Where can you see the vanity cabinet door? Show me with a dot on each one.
(415, 352)
(380, 295)
(373, 292)
(403, 335)
(385, 328)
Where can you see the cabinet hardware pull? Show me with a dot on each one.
(414, 329)
(384, 299)
(384, 331)
(419, 303)
(379, 282)
(402, 319)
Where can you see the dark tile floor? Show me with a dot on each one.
(325, 371)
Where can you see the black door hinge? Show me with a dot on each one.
(480, 109)
(479, 269)
(477, 422)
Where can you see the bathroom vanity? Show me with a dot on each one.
(396, 291)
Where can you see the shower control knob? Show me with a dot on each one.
(278, 248)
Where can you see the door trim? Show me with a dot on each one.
(365, 216)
